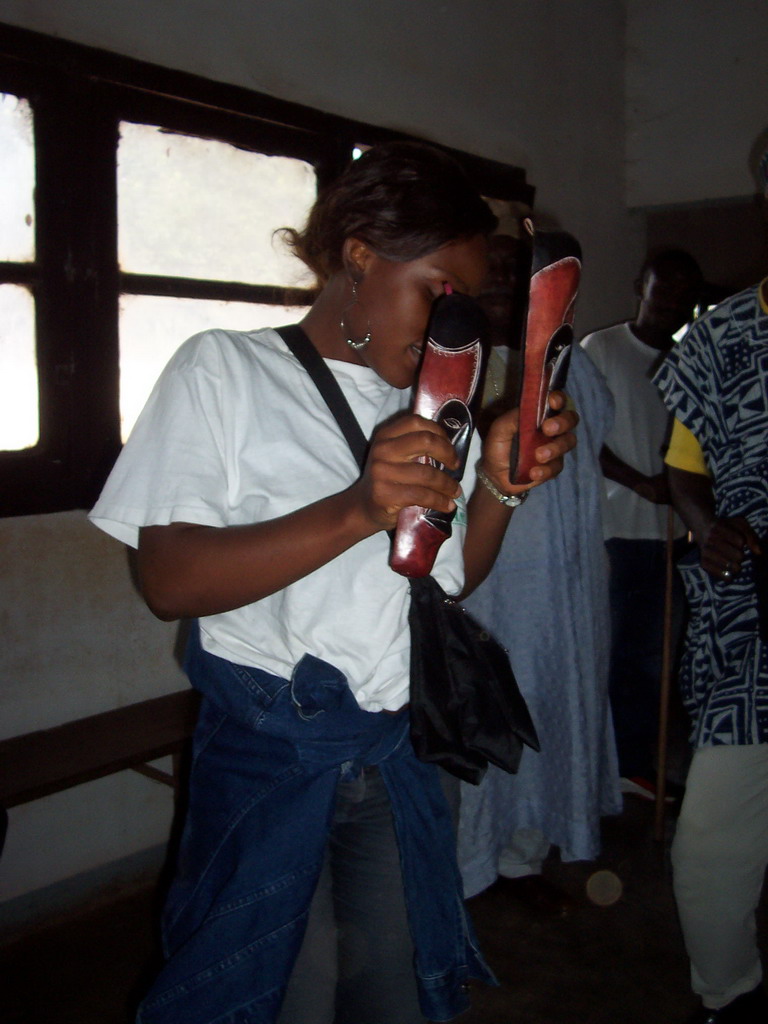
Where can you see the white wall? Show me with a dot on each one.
(697, 86)
(77, 640)
(73, 624)
(539, 84)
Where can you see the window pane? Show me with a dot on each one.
(190, 207)
(17, 159)
(19, 417)
(153, 327)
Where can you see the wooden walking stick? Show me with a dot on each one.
(666, 679)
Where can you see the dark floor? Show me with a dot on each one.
(618, 962)
(621, 963)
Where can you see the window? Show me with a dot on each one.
(138, 207)
(128, 221)
(19, 415)
(197, 208)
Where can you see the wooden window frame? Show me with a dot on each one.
(79, 96)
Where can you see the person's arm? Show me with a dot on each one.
(487, 517)
(652, 488)
(722, 541)
(189, 570)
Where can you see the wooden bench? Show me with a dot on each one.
(40, 763)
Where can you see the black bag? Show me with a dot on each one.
(466, 709)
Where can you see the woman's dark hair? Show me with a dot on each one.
(403, 199)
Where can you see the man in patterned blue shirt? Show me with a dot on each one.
(716, 384)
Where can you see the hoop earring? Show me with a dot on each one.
(366, 340)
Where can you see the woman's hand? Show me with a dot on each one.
(488, 517)
(187, 570)
(397, 472)
(559, 430)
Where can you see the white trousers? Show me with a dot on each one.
(719, 857)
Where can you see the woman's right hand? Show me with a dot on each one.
(397, 473)
(188, 570)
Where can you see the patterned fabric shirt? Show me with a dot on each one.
(716, 383)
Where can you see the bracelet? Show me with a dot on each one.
(510, 500)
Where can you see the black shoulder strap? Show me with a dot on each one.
(300, 345)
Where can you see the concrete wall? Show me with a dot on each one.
(540, 85)
(77, 640)
(697, 82)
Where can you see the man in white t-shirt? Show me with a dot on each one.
(637, 501)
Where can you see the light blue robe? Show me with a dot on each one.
(546, 600)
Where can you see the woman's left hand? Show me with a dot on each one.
(559, 430)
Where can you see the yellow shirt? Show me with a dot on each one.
(684, 451)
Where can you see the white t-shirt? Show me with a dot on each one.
(234, 432)
(639, 433)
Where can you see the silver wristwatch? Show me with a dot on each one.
(510, 500)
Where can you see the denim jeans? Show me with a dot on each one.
(356, 962)
(268, 756)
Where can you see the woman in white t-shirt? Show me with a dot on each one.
(251, 516)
